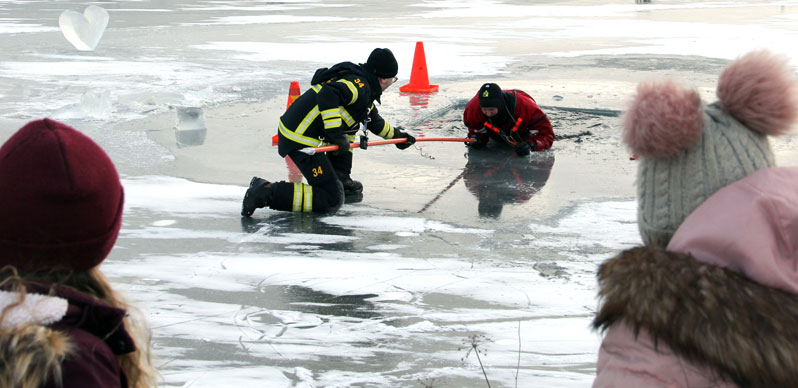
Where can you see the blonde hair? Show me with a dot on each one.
(137, 365)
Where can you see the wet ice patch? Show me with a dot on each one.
(150, 84)
(14, 26)
(180, 196)
(317, 238)
(268, 19)
(325, 299)
(454, 8)
(302, 247)
(443, 59)
(195, 375)
(163, 233)
(588, 225)
(399, 224)
(384, 247)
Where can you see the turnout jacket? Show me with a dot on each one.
(534, 128)
(339, 100)
(69, 333)
(719, 307)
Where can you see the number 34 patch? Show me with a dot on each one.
(317, 171)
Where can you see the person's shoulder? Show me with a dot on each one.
(527, 101)
(91, 363)
(474, 101)
(358, 81)
(472, 112)
(522, 95)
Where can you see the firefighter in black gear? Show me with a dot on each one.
(340, 100)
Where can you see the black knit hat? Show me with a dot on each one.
(382, 63)
(490, 96)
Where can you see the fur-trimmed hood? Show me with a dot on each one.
(725, 293)
(30, 352)
(708, 315)
(59, 331)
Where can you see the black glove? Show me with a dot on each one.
(404, 135)
(477, 143)
(342, 142)
(523, 148)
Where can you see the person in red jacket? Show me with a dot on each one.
(507, 116)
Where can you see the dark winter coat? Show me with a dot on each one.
(80, 336)
(534, 128)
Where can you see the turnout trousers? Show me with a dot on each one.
(323, 192)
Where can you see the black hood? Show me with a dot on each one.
(506, 111)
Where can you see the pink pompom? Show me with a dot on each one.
(662, 120)
(760, 91)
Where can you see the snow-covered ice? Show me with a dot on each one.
(406, 287)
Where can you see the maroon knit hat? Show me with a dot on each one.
(60, 199)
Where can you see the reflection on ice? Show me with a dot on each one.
(496, 179)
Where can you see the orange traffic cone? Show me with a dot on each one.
(293, 94)
(294, 175)
(419, 80)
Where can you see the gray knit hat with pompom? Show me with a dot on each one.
(690, 150)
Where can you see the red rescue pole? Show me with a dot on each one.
(312, 151)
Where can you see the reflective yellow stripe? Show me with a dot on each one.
(303, 198)
(332, 124)
(293, 136)
(297, 207)
(331, 118)
(330, 113)
(348, 119)
(307, 121)
(308, 198)
(387, 131)
(316, 88)
(352, 89)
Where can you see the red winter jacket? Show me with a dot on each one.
(93, 328)
(532, 119)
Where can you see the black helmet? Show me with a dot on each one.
(382, 63)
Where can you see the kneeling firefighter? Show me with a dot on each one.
(340, 100)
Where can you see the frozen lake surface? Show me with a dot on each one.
(454, 267)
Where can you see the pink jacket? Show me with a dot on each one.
(719, 308)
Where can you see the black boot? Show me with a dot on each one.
(350, 186)
(258, 195)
